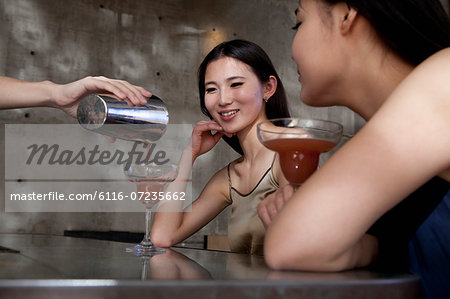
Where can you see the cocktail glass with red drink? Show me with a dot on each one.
(299, 143)
(150, 181)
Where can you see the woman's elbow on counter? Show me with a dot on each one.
(279, 255)
(288, 256)
(161, 239)
(274, 259)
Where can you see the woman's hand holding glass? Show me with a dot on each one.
(272, 204)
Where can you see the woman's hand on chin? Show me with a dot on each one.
(205, 136)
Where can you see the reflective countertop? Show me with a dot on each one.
(46, 266)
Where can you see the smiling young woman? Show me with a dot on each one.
(238, 88)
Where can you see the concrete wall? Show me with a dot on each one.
(154, 43)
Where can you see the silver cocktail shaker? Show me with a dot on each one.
(109, 116)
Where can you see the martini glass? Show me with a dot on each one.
(299, 142)
(150, 181)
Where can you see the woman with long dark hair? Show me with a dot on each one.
(388, 61)
(238, 88)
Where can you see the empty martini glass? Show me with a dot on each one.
(299, 142)
(150, 181)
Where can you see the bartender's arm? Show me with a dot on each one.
(16, 93)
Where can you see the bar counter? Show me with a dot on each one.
(46, 266)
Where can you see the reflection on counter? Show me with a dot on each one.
(44, 266)
(172, 265)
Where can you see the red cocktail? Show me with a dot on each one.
(299, 142)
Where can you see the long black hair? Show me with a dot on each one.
(414, 29)
(260, 63)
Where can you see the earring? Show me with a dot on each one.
(266, 99)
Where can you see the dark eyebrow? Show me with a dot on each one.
(235, 77)
(228, 79)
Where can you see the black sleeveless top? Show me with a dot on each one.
(415, 236)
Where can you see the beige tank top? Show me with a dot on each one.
(245, 229)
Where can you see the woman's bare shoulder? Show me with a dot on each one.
(219, 183)
(434, 71)
(427, 86)
(221, 176)
(440, 56)
(416, 116)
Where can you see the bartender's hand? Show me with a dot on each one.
(272, 204)
(67, 96)
(203, 140)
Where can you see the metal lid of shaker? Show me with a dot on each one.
(109, 116)
(92, 112)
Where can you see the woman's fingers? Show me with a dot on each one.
(123, 90)
(269, 208)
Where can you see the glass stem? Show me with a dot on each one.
(145, 268)
(148, 224)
